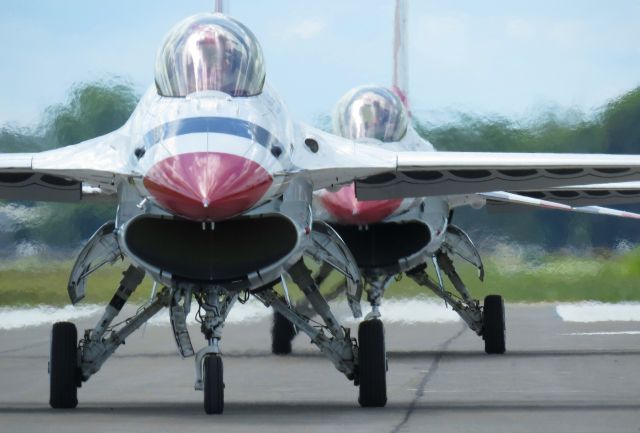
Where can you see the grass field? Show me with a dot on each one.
(558, 277)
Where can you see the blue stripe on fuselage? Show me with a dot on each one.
(219, 125)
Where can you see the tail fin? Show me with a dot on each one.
(222, 6)
(400, 83)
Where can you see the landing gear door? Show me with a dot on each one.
(459, 243)
(329, 247)
(102, 248)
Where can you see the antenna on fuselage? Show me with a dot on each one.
(221, 6)
(400, 84)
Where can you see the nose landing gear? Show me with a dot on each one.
(213, 384)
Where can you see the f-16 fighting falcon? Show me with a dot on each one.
(390, 237)
(214, 183)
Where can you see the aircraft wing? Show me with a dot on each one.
(67, 173)
(381, 173)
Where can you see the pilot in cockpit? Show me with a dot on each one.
(210, 52)
(371, 112)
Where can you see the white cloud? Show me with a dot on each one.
(308, 28)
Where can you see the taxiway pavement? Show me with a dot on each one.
(555, 377)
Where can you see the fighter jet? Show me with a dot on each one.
(390, 238)
(214, 183)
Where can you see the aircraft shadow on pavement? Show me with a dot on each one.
(283, 409)
(392, 354)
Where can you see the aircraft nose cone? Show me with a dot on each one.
(207, 185)
(345, 207)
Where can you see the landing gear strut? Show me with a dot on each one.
(332, 339)
(216, 302)
(283, 331)
(71, 364)
(487, 321)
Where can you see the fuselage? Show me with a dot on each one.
(212, 202)
(386, 236)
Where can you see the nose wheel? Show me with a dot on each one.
(63, 366)
(372, 358)
(213, 385)
(493, 331)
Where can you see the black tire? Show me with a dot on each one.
(63, 366)
(372, 359)
(282, 334)
(213, 385)
(493, 331)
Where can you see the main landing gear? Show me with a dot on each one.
(332, 339)
(487, 321)
(64, 375)
(372, 361)
(368, 367)
(283, 331)
(71, 364)
(493, 331)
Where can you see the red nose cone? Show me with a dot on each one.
(206, 185)
(345, 207)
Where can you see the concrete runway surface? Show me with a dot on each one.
(556, 377)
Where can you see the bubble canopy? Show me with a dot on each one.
(371, 112)
(210, 51)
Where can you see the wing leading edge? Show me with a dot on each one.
(380, 173)
(63, 174)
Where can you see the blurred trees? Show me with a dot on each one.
(614, 129)
(93, 109)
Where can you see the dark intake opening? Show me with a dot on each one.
(233, 249)
(384, 244)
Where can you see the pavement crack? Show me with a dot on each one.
(433, 367)
(28, 346)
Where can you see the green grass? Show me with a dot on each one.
(519, 278)
(34, 282)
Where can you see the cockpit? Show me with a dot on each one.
(210, 52)
(371, 112)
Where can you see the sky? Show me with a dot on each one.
(509, 58)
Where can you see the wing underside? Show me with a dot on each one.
(590, 195)
(445, 173)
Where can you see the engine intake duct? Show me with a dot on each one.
(383, 245)
(231, 251)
